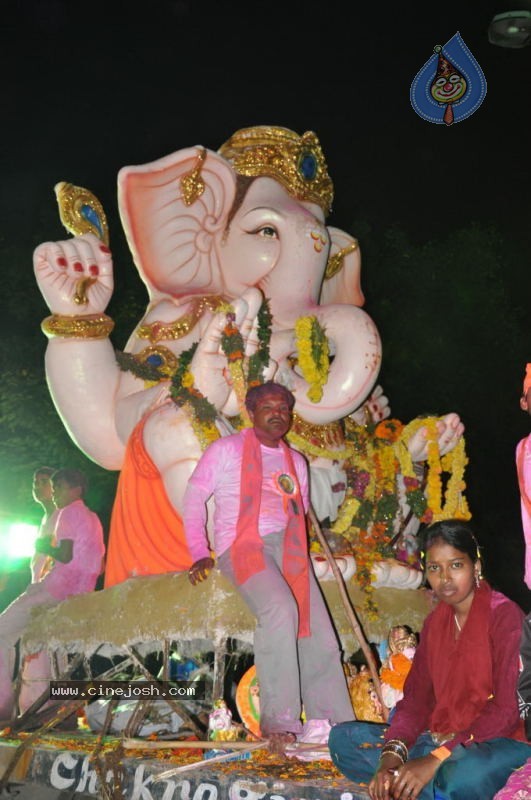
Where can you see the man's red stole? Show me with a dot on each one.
(461, 668)
(247, 550)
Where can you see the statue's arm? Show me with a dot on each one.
(75, 278)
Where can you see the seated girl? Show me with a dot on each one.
(457, 733)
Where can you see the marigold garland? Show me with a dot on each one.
(453, 505)
(201, 412)
(231, 338)
(233, 347)
(313, 355)
(348, 510)
(260, 358)
(434, 479)
(380, 458)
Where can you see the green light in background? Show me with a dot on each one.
(19, 541)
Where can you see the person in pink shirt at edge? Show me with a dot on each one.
(42, 491)
(523, 467)
(261, 497)
(36, 668)
(76, 549)
(518, 787)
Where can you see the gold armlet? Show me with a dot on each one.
(89, 326)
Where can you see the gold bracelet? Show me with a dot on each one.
(89, 326)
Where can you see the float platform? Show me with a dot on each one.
(81, 766)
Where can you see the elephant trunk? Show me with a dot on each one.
(355, 356)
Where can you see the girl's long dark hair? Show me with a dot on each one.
(455, 532)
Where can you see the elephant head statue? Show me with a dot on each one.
(253, 215)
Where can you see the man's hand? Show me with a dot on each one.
(63, 552)
(43, 544)
(200, 570)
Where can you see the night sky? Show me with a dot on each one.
(89, 88)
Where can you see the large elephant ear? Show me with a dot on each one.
(342, 277)
(171, 211)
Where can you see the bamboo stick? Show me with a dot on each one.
(296, 746)
(351, 613)
(205, 744)
(162, 776)
(209, 744)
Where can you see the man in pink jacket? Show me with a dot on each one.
(260, 490)
(75, 549)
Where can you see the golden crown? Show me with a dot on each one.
(296, 161)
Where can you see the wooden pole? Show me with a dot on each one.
(351, 614)
(186, 744)
(249, 747)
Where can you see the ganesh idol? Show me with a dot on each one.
(235, 237)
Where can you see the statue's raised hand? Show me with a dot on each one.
(374, 409)
(209, 365)
(75, 276)
(449, 431)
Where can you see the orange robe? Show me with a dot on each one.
(146, 533)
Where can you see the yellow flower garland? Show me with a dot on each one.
(404, 458)
(455, 505)
(188, 380)
(455, 500)
(434, 480)
(239, 385)
(206, 432)
(309, 338)
(347, 511)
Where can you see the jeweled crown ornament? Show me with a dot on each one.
(80, 211)
(296, 161)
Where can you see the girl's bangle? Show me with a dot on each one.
(397, 747)
(441, 753)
